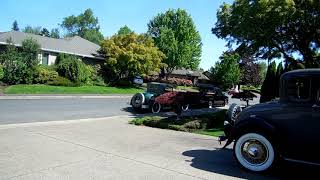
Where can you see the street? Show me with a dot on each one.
(41, 110)
(91, 139)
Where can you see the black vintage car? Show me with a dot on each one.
(286, 129)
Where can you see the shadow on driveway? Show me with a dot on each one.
(221, 161)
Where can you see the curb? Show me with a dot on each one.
(26, 97)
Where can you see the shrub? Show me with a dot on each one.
(123, 83)
(1, 72)
(44, 74)
(193, 124)
(74, 69)
(61, 81)
(178, 81)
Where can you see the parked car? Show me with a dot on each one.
(207, 97)
(138, 80)
(144, 100)
(286, 129)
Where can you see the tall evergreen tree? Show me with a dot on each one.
(267, 89)
(15, 26)
(280, 71)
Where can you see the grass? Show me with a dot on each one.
(216, 132)
(46, 89)
(258, 89)
(207, 124)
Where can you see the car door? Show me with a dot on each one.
(295, 121)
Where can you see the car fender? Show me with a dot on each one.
(252, 124)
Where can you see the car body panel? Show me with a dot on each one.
(292, 123)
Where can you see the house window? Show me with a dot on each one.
(45, 59)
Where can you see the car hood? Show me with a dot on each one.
(258, 110)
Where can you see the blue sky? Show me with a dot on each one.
(113, 14)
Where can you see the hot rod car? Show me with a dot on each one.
(286, 129)
(207, 97)
(145, 100)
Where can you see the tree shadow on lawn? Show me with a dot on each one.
(221, 161)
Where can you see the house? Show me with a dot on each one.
(194, 76)
(51, 47)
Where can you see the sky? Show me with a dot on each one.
(116, 13)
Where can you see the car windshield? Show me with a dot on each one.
(155, 88)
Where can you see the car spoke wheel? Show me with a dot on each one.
(156, 108)
(185, 107)
(254, 152)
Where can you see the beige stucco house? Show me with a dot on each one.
(51, 47)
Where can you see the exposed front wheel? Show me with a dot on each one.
(254, 152)
(156, 108)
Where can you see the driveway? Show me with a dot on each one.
(110, 148)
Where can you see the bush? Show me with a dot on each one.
(61, 81)
(178, 81)
(74, 69)
(44, 74)
(1, 72)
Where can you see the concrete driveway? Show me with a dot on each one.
(110, 148)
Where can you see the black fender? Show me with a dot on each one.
(252, 124)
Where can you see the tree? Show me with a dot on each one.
(82, 25)
(19, 65)
(32, 30)
(176, 36)
(227, 72)
(45, 32)
(279, 72)
(250, 72)
(131, 54)
(268, 89)
(124, 30)
(272, 29)
(55, 33)
(15, 26)
(263, 70)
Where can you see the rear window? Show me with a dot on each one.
(299, 89)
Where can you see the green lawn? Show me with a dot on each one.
(210, 124)
(46, 89)
(211, 132)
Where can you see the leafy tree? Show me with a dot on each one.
(55, 33)
(124, 30)
(45, 32)
(175, 34)
(227, 71)
(82, 25)
(250, 72)
(15, 26)
(93, 36)
(131, 54)
(268, 89)
(272, 29)
(1, 72)
(32, 30)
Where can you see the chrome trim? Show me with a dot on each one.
(300, 161)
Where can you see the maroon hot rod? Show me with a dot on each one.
(207, 97)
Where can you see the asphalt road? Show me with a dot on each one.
(43, 110)
(25, 111)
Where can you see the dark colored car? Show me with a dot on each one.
(287, 129)
(144, 100)
(207, 96)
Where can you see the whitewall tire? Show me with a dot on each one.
(254, 152)
(156, 108)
